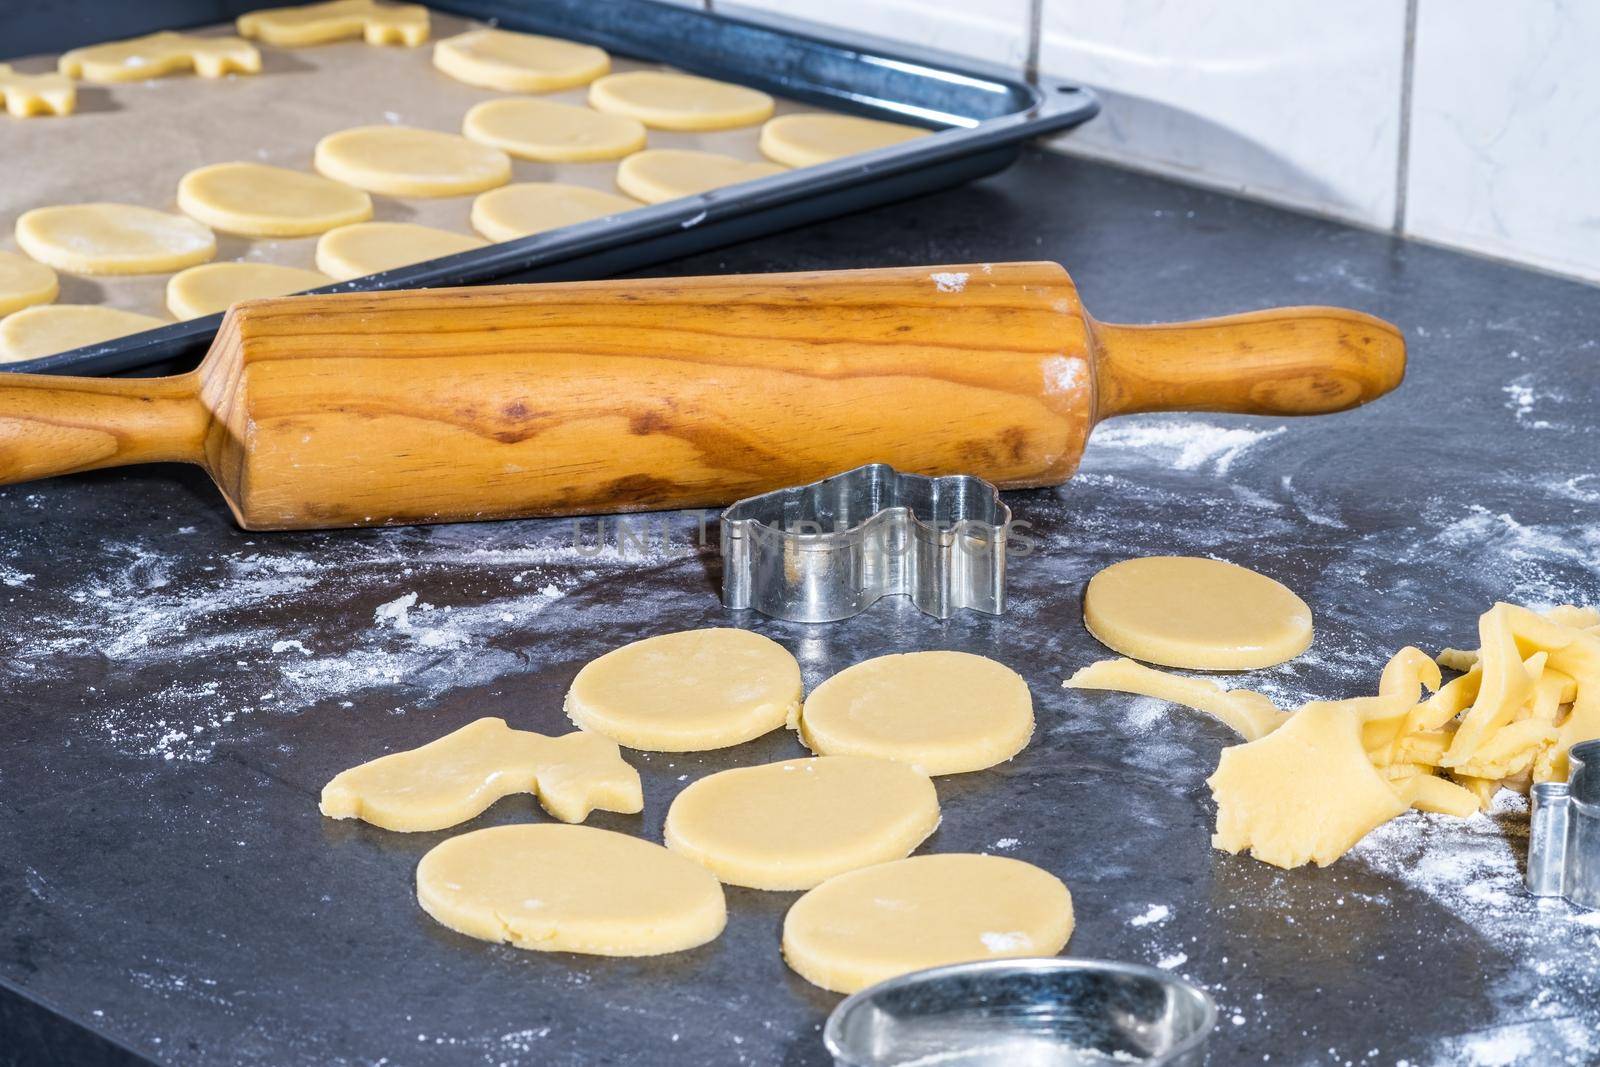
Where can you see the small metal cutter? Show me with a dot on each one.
(1564, 832)
(828, 550)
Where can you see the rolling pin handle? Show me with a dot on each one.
(1287, 361)
(53, 425)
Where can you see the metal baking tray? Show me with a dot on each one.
(984, 114)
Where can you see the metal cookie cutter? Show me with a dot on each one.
(827, 550)
(1564, 832)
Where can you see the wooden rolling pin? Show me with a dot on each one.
(484, 403)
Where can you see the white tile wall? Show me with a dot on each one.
(1505, 130)
(991, 30)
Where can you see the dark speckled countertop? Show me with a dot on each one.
(174, 692)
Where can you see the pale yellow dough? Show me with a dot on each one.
(534, 207)
(24, 283)
(687, 691)
(807, 139)
(1204, 614)
(555, 888)
(667, 101)
(794, 824)
(335, 20)
(26, 95)
(113, 239)
(213, 287)
(141, 58)
(548, 132)
(370, 247)
(51, 328)
(660, 174)
(262, 201)
(1247, 713)
(941, 712)
(868, 925)
(402, 161)
(457, 777)
(519, 62)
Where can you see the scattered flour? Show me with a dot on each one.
(1173, 962)
(950, 281)
(1186, 444)
(1005, 941)
(1155, 913)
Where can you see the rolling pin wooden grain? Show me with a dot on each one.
(455, 404)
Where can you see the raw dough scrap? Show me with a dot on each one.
(793, 825)
(335, 20)
(548, 132)
(554, 888)
(403, 161)
(51, 328)
(1248, 714)
(687, 691)
(807, 139)
(871, 924)
(1305, 792)
(370, 247)
(26, 95)
(24, 283)
(113, 239)
(660, 174)
(142, 58)
(262, 201)
(666, 101)
(533, 207)
(941, 712)
(457, 777)
(213, 287)
(1203, 614)
(519, 62)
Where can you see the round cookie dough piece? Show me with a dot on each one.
(519, 62)
(24, 283)
(865, 926)
(1203, 614)
(370, 247)
(534, 207)
(403, 161)
(807, 139)
(547, 132)
(51, 328)
(667, 101)
(794, 824)
(213, 287)
(261, 201)
(687, 691)
(113, 239)
(560, 888)
(660, 174)
(941, 712)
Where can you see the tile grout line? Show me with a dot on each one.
(1034, 31)
(1408, 61)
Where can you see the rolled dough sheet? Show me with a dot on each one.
(213, 287)
(27, 95)
(261, 201)
(113, 239)
(806, 139)
(519, 62)
(660, 174)
(334, 20)
(403, 161)
(50, 328)
(1204, 614)
(1247, 713)
(687, 691)
(941, 712)
(555, 888)
(794, 824)
(545, 131)
(370, 247)
(868, 925)
(665, 100)
(142, 58)
(24, 282)
(534, 207)
(457, 777)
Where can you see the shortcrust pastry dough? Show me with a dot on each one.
(519, 62)
(370, 247)
(666, 101)
(807, 139)
(548, 132)
(262, 201)
(50, 328)
(24, 282)
(335, 20)
(113, 239)
(660, 174)
(213, 287)
(533, 207)
(404, 161)
(156, 54)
